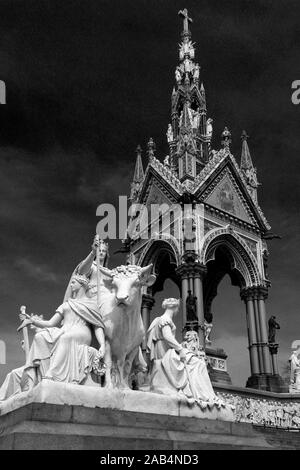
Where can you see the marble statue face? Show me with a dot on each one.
(127, 289)
(75, 285)
(102, 252)
(127, 281)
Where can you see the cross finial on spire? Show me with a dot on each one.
(186, 20)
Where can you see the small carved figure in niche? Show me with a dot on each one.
(170, 136)
(187, 65)
(196, 119)
(191, 307)
(196, 72)
(178, 76)
(208, 327)
(167, 160)
(265, 255)
(273, 326)
(209, 128)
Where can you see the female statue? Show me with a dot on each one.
(61, 349)
(295, 371)
(88, 268)
(178, 368)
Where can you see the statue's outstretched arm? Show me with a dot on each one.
(85, 265)
(54, 321)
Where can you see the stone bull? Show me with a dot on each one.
(123, 322)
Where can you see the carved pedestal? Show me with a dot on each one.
(217, 366)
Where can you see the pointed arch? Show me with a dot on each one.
(241, 258)
(164, 254)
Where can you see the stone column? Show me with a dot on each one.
(273, 351)
(199, 273)
(262, 294)
(258, 333)
(191, 273)
(191, 283)
(252, 337)
(183, 273)
(147, 304)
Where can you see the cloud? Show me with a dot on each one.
(82, 92)
(235, 347)
(39, 272)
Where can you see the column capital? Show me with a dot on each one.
(191, 269)
(246, 294)
(254, 293)
(273, 347)
(148, 301)
(262, 293)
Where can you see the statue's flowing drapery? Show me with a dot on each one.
(170, 375)
(91, 291)
(62, 354)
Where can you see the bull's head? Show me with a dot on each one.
(127, 281)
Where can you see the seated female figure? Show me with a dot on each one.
(61, 349)
(178, 368)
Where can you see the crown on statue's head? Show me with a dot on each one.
(103, 243)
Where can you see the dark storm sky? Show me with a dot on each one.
(89, 80)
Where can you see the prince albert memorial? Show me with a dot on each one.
(109, 368)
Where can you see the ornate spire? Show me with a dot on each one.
(186, 20)
(186, 119)
(139, 171)
(189, 146)
(138, 175)
(246, 160)
(247, 167)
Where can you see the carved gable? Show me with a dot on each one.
(156, 196)
(226, 196)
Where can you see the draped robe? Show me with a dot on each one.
(170, 375)
(61, 354)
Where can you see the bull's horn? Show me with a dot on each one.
(146, 277)
(105, 271)
(147, 269)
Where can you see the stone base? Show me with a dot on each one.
(72, 417)
(42, 426)
(217, 375)
(271, 383)
(58, 393)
